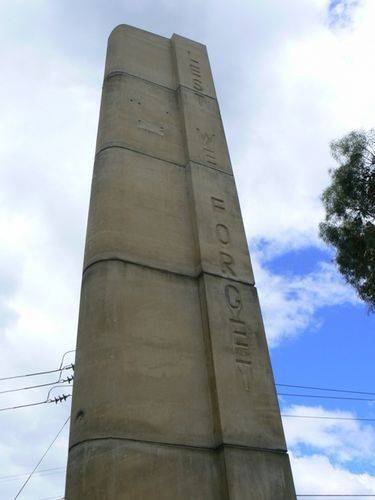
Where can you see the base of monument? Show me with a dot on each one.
(119, 469)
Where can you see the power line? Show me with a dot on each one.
(42, 472)
(68, 379)
(326, 389)
(24, 406)
(329, 389)
(63, 356)
(68, 367)
(329, 418)
(323, 397)
(61, 469)
(60, 369)
(57, 399)
(40, 461)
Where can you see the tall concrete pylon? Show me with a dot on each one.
(174, 396)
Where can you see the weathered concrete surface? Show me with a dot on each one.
(174, 396)
(192, 66)
(246, 400)
(139, 115)
(130, 470)
(256, 474)
(205, 139)
(140, 212)
(218, 228)
(141, 54)
(141, 370)
(103, 470)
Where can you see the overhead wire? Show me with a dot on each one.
(56, 399)
(41, 459)
(60, 369)
(324, 397)
(67, 367)
(68, 379)
(350, 391)
(64, 397)
(42, 472)
(24, 406)
(63, 356)
(52, 389)
(328, 418)
(315, 388)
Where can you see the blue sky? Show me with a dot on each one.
(336, 352)
(290, 77)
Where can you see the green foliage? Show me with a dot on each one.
(350, 211)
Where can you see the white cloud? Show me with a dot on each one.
(323, 452)
(306, 90)
(291, 304)
(317, 475)
(341, 440)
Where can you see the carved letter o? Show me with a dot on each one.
(222, 233)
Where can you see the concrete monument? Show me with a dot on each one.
(174, 396)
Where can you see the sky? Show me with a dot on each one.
(291, 76)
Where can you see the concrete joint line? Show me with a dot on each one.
(115, 73)
(212, 168)
(120, 146)
(181, 86)
(217, 448)
(180, 165)
(167, 271)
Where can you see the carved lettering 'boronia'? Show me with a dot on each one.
(241, 336)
